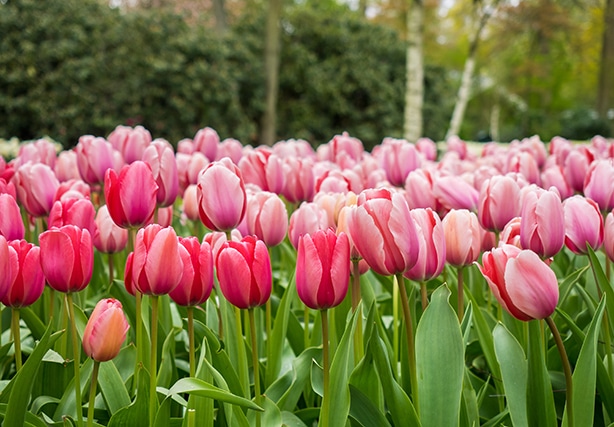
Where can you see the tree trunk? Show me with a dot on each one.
(362, 7)
(414, 90)
(271, 68)
(605, 90)
(221, 20)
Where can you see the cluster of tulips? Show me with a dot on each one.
(206, 223)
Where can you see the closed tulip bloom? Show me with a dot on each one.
(383, 231)
(105, 331)
(128, 279)
(453, 192)
(523, 284)
(66, 167)
(67, 258)
(419, 190)
(244, 272)
(398, 158)
(307, 219)
(197, 279)
(428, 148)
(207, 141)
(9, 266)
(109, 238)
(499, 202)
(299, 183)
(94, 157)
(7, 187)
(598, 184)
(72, 189)
(79, 212)
(266, 217)
(157, 266)
(608, 241)
(131, 195)
(511, 234)
(553, 176)
(583, 224)
(11, 223)
(323, 269)
(231, 148)
(39, 151)
(264, 169)
(432, 246)
(161, 157)
(131, 142)
(542, 224)
(222, 200)
(29, 282)
(35, 185)
(463, 235)
(576, 167)
(190, 203)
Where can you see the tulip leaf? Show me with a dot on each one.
(364, 412)
(271, 416)
(202, 406)
(540, 401)
(584, 375)
(112, 387)
(278, 337)
(36, 325)
(513, 364)
(137, 413)
(20, 387)
(200, 388)
(439, 362)
(30, 419)
(67, 405)
(603, 282)
(168, 369)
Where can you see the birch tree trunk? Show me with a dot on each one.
(219, 11)
(414, 90)
(271, 69)
(605, 91)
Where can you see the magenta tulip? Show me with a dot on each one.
(432, 246)
(244, 272)
(499, 202)
(583, 224)
(197, 279)
(29, 283)
(11, 223)
(542, 224)
(105, 331)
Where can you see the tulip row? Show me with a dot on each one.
(310, 261)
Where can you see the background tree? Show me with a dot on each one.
(605, 92)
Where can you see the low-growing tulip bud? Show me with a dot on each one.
(105, 331)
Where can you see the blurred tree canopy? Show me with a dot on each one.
(75, 67)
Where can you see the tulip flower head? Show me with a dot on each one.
(105, 331)
(109, 238)
(432, 246)
(29, 282)
(542, 224)
(463, 235)
(583, 224)
(11, 223)
(197, 279)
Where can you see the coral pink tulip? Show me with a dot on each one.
(523, 284)
(156, 247)
(197, 279)
(29, 282)
(266, 217)
(160, 156)
(384, 232)
(11, 223)
(67, 258)
(109, 238)
(105, 331)
(499, 202)
(94, 157)
(598, 184)
(244, 272)
(222, 200)
(131, 195)
(79, 212)
(432, 246)
(323, 269)
(35, 185)
(583, 224)
(463, 235)
(542, 224)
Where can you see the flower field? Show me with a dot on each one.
(216, 284)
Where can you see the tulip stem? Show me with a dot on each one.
(153, 371)
(325, 408)
(566, 370)
(111, 269)
(268, 325)
(93, 384)
(16, 337)
(191, 341)
(306, 330)
(409, 333)
(139, 337)
(76, 357)
(252, 329)
(358, 340)
(424, 295)
(395, 322)
(460, 293)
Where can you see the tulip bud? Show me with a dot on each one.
(105, 331)
(463, 235)
(432, 246)
(542, 224)
(11, 224)
(29, 282)
(197, 279)
(583, 224)
(109, 238)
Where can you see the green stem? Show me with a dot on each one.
(153, 371)
(424, 295)
(395, 322)
(191, 341)
(242, 369)
(93, 384)
(51, 302)
(111, 269)
(16, 337)
(358, 339)
(306, 322)
(268, 317)
(566, 370)
(409, 334)
(139, 337)
(252, 328)
(325, 409)
(191, 417)
(76, 357)
(460, 294)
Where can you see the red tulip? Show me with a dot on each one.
(109, 238)
(432, 246)
(29, 282)
(131, 195)
(463, 235)
(542, 224)
(244, 272)
(67, 258)
(197, 279)
(499, 202)
(105, 331)
(11, 223)
(583, 224)
(161, 157)
(522, 283)
(35, 185)
(323, 269)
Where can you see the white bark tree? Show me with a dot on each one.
(414, 90)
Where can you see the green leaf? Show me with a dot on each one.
(36, 326)
(67, 405)
(603, 283)
(513, 364)
(540, 401)
(364, 412)
(202, 406)
(439, 362)
(271, 416)
(31, 420)
(200, 388)
(168, 369)
(136, 414)
(585, 372)
(278, 337)
(112, 387)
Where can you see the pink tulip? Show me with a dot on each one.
(231, 148)
(522, 283)
(11, 223)
(463, 235)
(419, 190)
(94, 157)
(157, 266)
(499, 202)
(384, 232)
(598, 184)
(207, 141)
(160, 156)
(266, 218)
(608, 241)
(39, 151)
(264, 169)
(583, 224)
(428, 148)
(9, 266)
(432, 244)
(79, 212)
(576, 167)
(453, 192)
(197, 279)
(72, 189)
(66, 167)
(190, 203)
(323, 269)
(222, 200)
(35, 185)
(553, 176)
(131, 142)
(300, 180)
(344, 150)
(398, 158)
(542, 227)
(525, 164)
(510, 234)
(131, 195)
(244, 272)
(307, 219)
(109, 238)
(67, 258)
(7, 187)
(29, 282)
(105, 331)
(164, 217)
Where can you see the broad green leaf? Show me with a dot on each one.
(137, 413)
(167, 370)
(364, 412)
(200, 388)
(603, 282)
(513, 364)
(67, 405)
(584, 375)
(30, 420)
(540, 401)
(271, 416)
(278, 338)
(36, 325)
(112, 387)
(291, 420)
(439, 362)
(364, 379)
(202, 406)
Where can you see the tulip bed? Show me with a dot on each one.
(221, 285)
